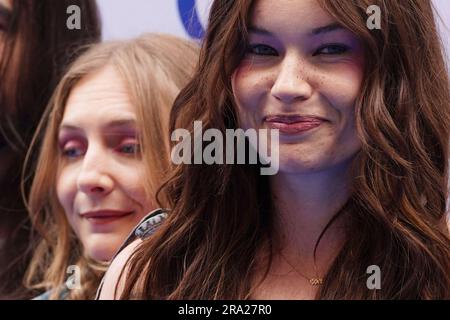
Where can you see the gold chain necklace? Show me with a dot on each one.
(314, 281)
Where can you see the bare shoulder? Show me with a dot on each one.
(112, 276)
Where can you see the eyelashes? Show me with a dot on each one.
(332, 49)
(261, 50)
(130, 148)
(72, 153)
(73, 149)
(325, 50)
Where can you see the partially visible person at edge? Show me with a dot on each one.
(102, 156)
(35, 48)
(363, 118)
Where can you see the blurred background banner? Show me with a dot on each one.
(125, 19)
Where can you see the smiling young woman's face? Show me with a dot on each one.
(101, 174)
(302, 74)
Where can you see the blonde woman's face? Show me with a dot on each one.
(302, 74)
(101, 174)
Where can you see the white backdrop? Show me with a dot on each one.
(129, 18)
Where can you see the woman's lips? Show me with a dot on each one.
(105, 216)
(293, 124)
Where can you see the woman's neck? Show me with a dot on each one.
(303, 205)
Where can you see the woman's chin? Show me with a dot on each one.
(103, 249)
(296, 165)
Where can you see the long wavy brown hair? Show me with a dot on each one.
(221, 214)
(154, 68)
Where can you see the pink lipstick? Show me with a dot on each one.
(293, 124)
(105, 216)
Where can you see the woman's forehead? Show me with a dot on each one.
(299, 15)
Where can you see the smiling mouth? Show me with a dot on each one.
(293, 124)
(105, 216)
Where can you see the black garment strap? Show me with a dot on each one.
(146, 227)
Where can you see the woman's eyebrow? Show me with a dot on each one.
(120, 126)
(259, 30)
(68, 127)
(314, 32)
(325, 29)
(121, 123)
(110, 124)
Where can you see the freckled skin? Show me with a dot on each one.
(295, 81)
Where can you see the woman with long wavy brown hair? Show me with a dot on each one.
(363, 116)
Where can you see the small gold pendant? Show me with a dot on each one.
(316, 281)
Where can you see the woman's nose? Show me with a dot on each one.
(291, 82)
(94, 177)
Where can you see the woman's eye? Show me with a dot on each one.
(262, 50)
(334, 49)
(72, 148)
(72, 152)
(130, 148)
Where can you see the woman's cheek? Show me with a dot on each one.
(342, 86)
(250, 86)
(131, 180)
(66, 188)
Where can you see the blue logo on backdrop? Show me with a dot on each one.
(189, 16)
